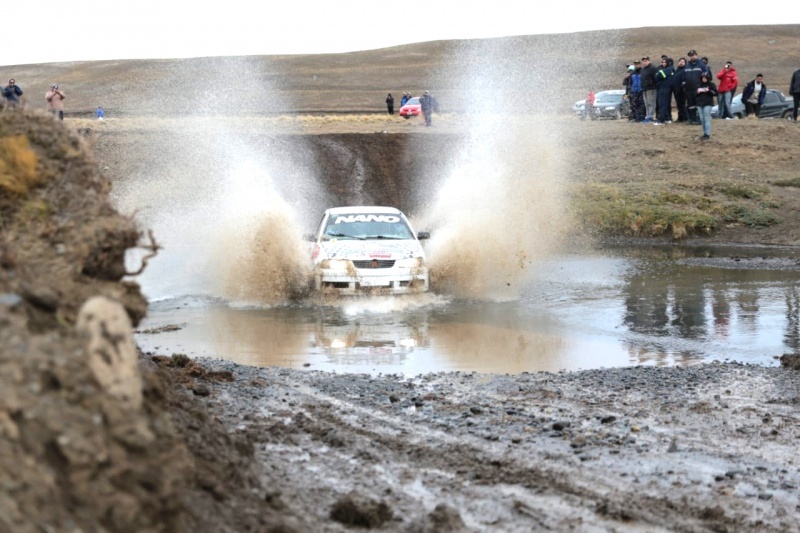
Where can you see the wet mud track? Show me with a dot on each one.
(688, 449)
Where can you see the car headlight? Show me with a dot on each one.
(411, 262)
(334, 264)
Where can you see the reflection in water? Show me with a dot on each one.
(612, 309)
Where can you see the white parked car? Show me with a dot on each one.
(368, 249)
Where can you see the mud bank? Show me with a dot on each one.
(710, 447)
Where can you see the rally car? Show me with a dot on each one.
(368, 249)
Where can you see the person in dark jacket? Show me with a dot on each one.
(704, 98)
(638, 109)
(753, 96)
(390, 104)
(427, 105)
(794, 90)
(11, 93)
(678, 91)
(406, 97)
(691, 81)
(649, 88)
(664, 88)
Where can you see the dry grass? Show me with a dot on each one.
(18, 164)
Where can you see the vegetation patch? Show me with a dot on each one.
(792, 182)
(659, 209)
(17, 165)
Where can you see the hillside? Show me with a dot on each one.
(526, 72)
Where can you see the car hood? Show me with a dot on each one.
(360, 250)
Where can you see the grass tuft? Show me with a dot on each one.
(18, 164)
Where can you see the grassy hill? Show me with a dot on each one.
(526, 72)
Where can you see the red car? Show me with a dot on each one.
(411, 109)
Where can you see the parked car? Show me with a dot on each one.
(578, 107)
(775, 105)
(411, 109)
(362, 249)
(609, 104)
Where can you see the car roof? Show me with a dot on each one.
(356, 209)
(612, 91)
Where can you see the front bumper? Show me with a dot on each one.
(361, 281)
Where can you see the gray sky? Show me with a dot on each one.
(79, 30)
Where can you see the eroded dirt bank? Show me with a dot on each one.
(95, 437)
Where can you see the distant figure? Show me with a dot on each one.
(794, 90)
(588, 104)
(426, 102)
(705, 101)
(11, 93)
(649, 94)
(678, 91)
(691, 81)
(664, 91)
(390, 104)
(406, 97)
(638, 109)
(100, 113)
(55, 101)
(728, 81)
(753, 96)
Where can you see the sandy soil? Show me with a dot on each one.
(90, 441)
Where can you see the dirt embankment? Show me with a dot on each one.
(94, 438)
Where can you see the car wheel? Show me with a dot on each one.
(787, 114)
(617, 114)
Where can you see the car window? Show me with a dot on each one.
(608, 98)
(771, 98)
(362, 226)
(737, 99)
(413, 101)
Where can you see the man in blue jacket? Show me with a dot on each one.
(12, 92)
(691, 81)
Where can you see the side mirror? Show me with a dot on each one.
(423, 235)
(310, 237)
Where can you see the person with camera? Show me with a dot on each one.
(55, 101)
(728, 81)
(11, 93)
(704, 98)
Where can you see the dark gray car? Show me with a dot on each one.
(775, 105)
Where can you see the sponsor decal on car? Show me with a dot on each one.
(366, 218)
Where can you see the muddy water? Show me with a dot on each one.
(613, 308)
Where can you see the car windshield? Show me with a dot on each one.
(413, 101)
(608, 98)
(364, 226)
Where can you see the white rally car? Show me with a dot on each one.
(368, 249)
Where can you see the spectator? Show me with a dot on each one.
(794, 90)
(100, 113)
(390, 104)
(753, 96)
(664, 87)
(406, 97)
(427, 104)
(55, 101)
(728, 80)
(638, 110)
(649, 88)
(678, 91)
(588, 104)
(705, 101)
(691, 81)
(11, 93)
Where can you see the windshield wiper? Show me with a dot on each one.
(345, 235)
(385, 237)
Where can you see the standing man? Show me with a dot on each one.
(728, 80)
(55, 101)
(664, 88)
(426, 102)
(588, 105)
(390, 104)
(637, 100)
(11, 93)
(100, 113)
(649, 88)
(794, 90)
(691, 81)
(678, 91)
(753, 96)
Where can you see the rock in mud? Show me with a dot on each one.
(355, 510)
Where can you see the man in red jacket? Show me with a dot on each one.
(728, 81)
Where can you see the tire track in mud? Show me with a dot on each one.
(404, 444)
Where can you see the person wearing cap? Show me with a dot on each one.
(705, 101)
(426, 103)
(11, 93)
(678, 91)
(753, 96)
(55, 101)
(728, 81)
(649, 72)
(794, 90)
(638, 110)
(691, 81)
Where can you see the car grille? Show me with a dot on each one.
(374, 263)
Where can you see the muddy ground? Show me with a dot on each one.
(90, 441)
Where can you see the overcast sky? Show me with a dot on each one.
(78, 30)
